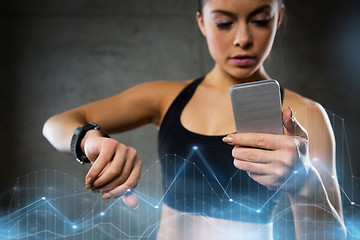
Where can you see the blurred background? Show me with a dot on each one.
(56, 55)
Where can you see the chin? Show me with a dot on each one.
(242, 73)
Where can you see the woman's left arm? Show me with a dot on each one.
(302, 163)
(317, 204)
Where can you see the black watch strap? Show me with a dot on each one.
(78, 136)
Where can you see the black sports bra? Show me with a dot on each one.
(199, 176)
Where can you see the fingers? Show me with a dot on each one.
(115, 170)
(119, 168)
(131, 182)
(268, 181)
(107, 151)
(292, 126)
(259, 163)
(253, 160)
(272, 169)
(256, 168)
(131, 200)
(271, 159)
(257, 140)
(252, 155)
(118, 171)
(270, 141)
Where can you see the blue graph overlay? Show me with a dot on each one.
(49, 204)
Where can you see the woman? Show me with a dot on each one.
(240, 34)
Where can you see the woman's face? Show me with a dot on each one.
(240, 33)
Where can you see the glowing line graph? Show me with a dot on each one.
(188, 162)
(24, 212)
(195, 150)
(176, 176)
(34, 209)
(44, 218)
(13, 223)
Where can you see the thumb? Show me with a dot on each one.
(130, 199)
(292, 126)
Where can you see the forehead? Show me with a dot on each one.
(239, 6)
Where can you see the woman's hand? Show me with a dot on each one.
(116, 168)
(273, 160)
(283, 162)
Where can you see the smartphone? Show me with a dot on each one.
(257, 107)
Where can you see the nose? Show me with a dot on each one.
(243, 38)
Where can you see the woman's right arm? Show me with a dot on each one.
(135, 107)
(116, 167)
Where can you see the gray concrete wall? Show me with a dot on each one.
(57, 55)
(65, 55)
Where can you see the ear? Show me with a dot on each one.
(281, 15)
(200, 22)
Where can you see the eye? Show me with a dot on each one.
(262, 22)
(224, 25)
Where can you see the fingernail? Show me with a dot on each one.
(128, 192)
(88, 181)
(231, 133)
(292, 114)
(137, 206)
(228, 139)
(88, 187)
(106, 196)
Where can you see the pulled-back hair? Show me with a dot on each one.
(202, 2)
(200, 5)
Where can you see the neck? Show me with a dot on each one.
(221, 79)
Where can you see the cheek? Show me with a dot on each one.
(218, 45)
(265, 41)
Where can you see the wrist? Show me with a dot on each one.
(90, 134)
(312, 188)
(77, 141)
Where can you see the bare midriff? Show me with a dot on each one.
(178, 225)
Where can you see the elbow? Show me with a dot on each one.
(342, 231)
(46, 129)
(49, 128)
(338, 232)
(59, 129)
(54, 131)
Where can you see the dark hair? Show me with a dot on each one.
(202, 2)
(200, 6)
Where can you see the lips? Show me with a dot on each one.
(242, 60)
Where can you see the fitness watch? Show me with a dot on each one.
(78, 136)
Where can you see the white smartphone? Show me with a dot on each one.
(257, 107)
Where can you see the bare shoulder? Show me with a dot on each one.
(154, 92)
(161, 85)
(304, 108)
(314, 118)
(294, 99)
(161, 90)
(160, 94)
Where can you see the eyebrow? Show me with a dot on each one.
(253, 13)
